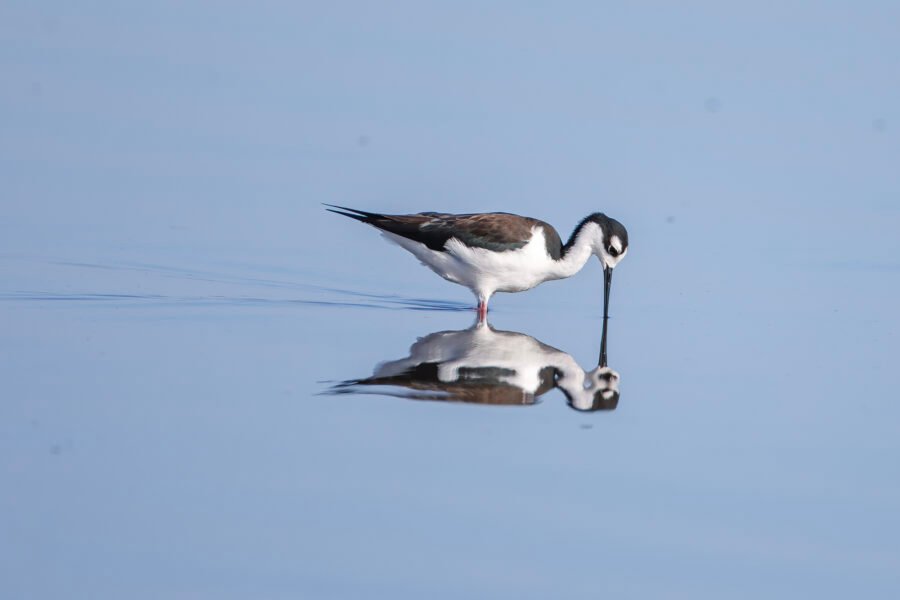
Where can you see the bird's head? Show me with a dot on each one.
(609, 240)
(601, 391)
(609, 243)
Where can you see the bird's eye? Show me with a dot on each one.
(612, 251)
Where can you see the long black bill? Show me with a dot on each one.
(607, 282)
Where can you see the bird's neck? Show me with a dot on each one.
(576, 251)
(572, 381)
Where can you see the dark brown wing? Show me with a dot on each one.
(492, 231)
(475, 386)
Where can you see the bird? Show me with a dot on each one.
(483, 365)
(498, 251)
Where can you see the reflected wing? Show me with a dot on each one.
(475, 386)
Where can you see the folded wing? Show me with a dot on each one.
(492, 231)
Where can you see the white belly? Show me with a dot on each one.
(485, 271)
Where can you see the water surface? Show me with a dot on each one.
(177, 309)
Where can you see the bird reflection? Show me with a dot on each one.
(482, 365)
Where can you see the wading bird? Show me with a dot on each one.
(500, 252)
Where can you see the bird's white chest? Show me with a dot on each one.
(485, 270)
(507, 271)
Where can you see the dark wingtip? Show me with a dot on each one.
(346, 214)
(359, 215)
(340, 207)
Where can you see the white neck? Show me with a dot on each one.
(571, 375)
(577, 254)
(574, 382)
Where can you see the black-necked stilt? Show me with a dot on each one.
(500, 252)
(481, 365)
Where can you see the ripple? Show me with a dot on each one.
(366, 300)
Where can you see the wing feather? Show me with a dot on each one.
(492, 231)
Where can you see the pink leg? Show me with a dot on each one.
(482, 311)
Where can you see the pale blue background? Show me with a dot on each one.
(173, 298)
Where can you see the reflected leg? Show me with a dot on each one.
(482, 310)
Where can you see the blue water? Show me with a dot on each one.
(177, 310)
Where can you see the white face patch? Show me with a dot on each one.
(612, 251)
(616, 243)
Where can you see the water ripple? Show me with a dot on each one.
(262, 291)
(367, 300)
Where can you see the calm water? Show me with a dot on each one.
(205, 385)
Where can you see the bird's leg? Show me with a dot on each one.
(482, 311)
